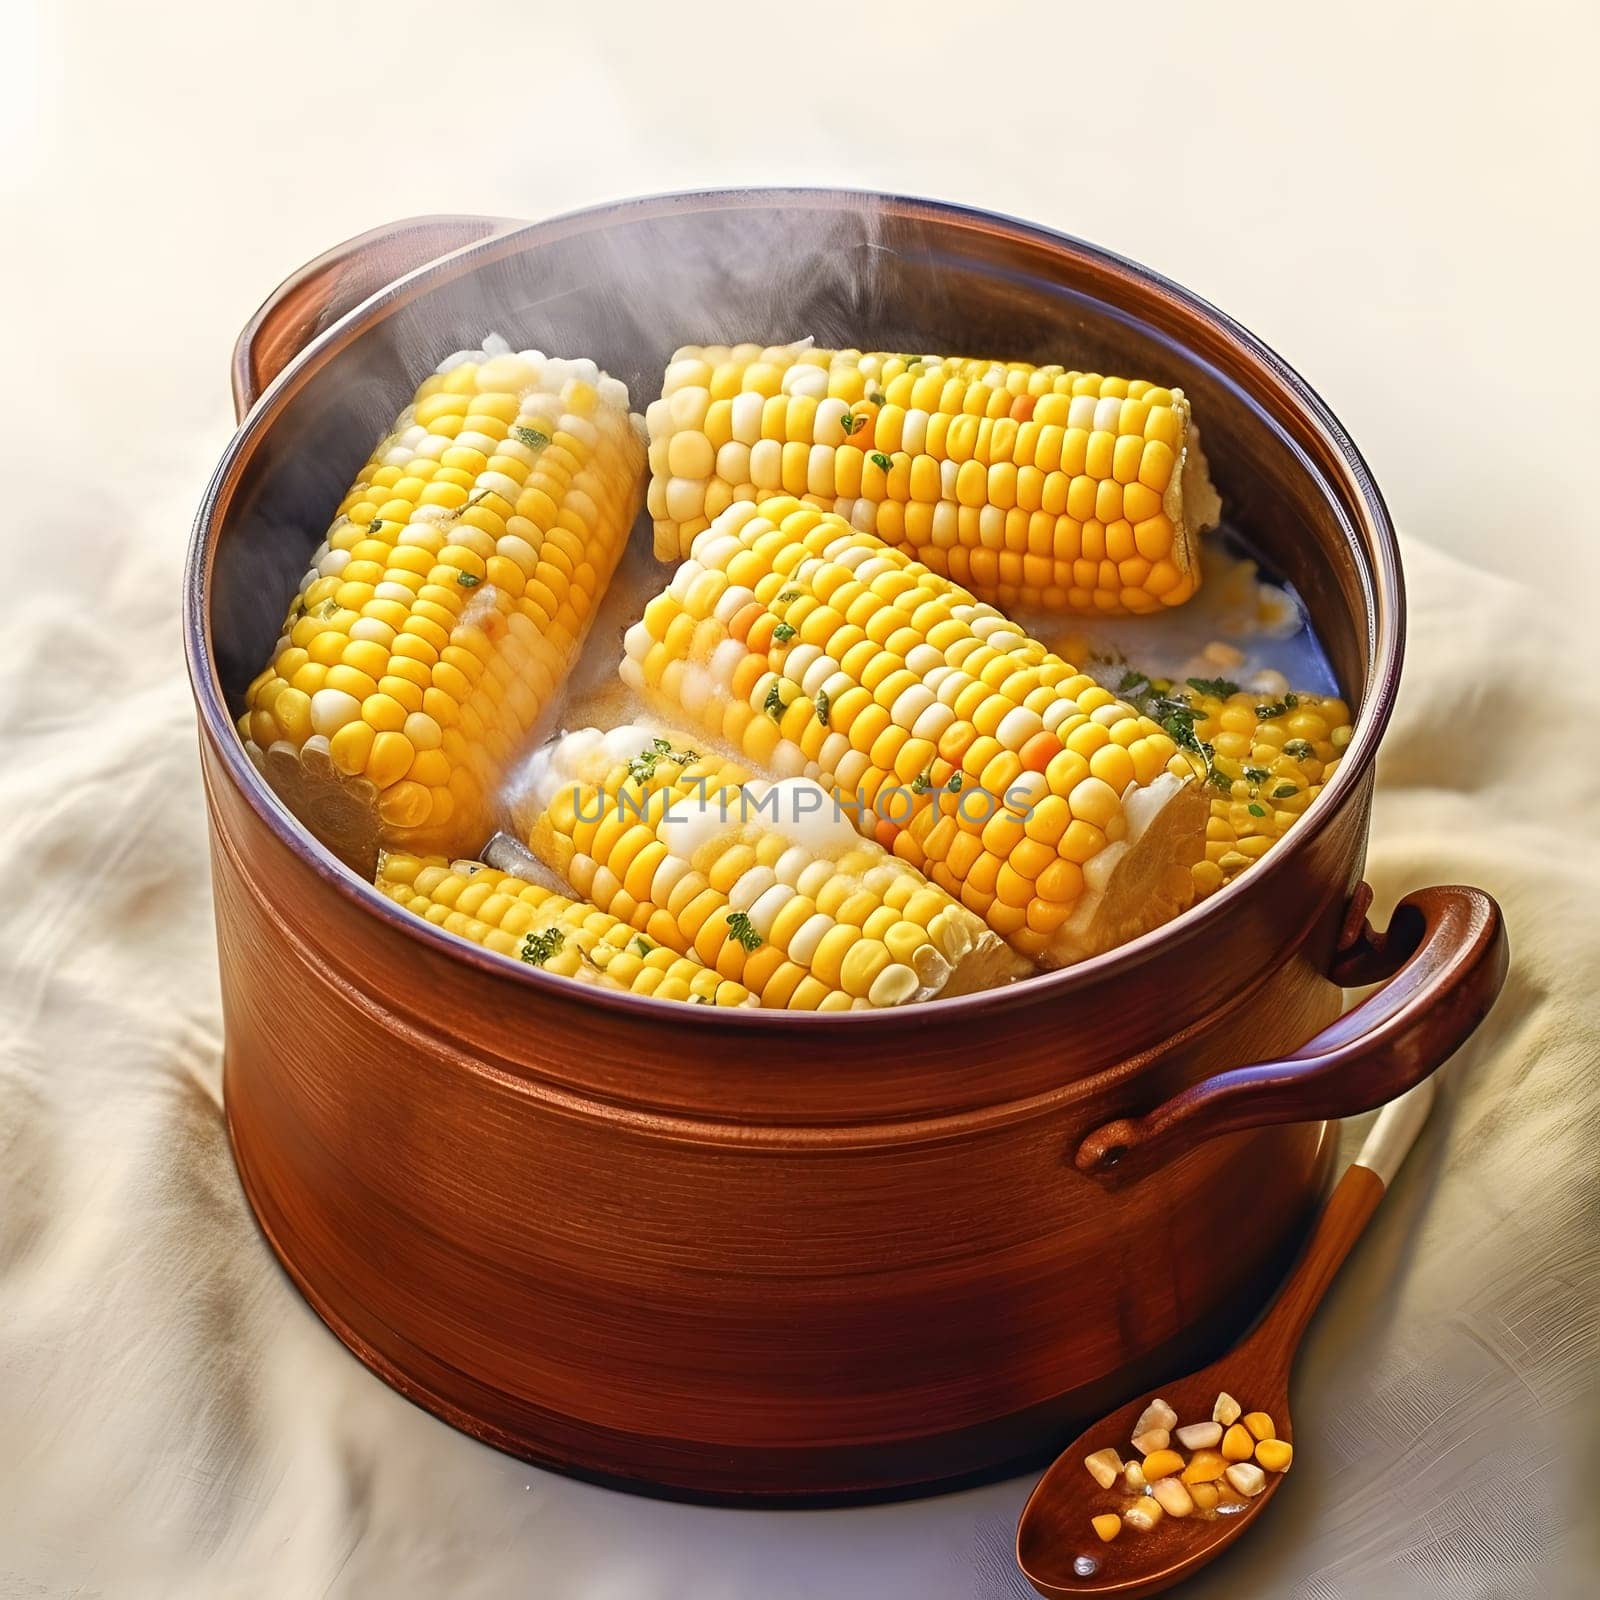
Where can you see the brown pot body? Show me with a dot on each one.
(757, 1255)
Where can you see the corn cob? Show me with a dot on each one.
(1028, 485)
(765, 883)
(1273, 753)
(1016, 783)
(534, 924)
(447, 602)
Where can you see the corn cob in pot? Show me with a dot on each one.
(1014, 782)
(531, 923)
(766, 883)
(447, 603)
(1037, 485)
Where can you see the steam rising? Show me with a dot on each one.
(847, 272)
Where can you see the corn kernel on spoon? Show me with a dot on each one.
(1218, 1442)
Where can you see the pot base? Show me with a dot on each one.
(710, 1473)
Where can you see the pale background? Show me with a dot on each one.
(1400, 199)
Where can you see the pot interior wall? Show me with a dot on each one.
(629, 286)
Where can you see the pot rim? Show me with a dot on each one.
(1382, 582)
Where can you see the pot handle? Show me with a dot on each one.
(1444, 958)
(338, 281)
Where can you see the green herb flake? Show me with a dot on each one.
(878, 397)
(923, 781)
(642, 767)
(1257, 774)
(1291, 701)
(643, 945)
(1220, 780)
(1275, 708)
(851, 423)
(1169, 707)
(879, 459)
(1300, 749)
(467, 581)
(532, 437)
(1257, 811)
(1220, 687)
(784, 632)
(375, 524)
(788, 596)
(954, 785)
(742, 930)
(537, 948)
(1285, 791)
(1178, 721)
(773, 705)
(821, 702)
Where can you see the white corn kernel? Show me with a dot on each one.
(1247, 1478)
(1200, 1435)
(1104, 1467)
(1155, 1439)
(1158, 1414)
(1144, 1515)
(1172, 1497)
(1133, 1477)
(1227, 1410)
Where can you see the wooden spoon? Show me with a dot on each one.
(1058, 1550)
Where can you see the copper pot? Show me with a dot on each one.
(756, 1255)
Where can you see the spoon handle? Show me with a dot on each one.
(1344, 1218)
(1396, 1129)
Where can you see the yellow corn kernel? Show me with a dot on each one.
(1205, 1466)
(1162, 1464)
(1107, 1526)
(1259, 1424)
(1275, 1454)
(1204, 1495)
(1237, 1443)
(1271, 768)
